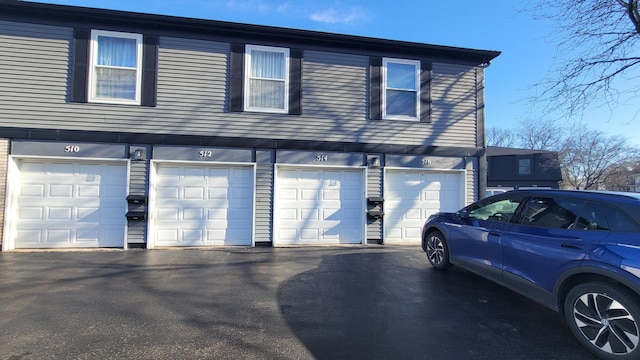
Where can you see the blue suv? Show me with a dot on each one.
(577, 252)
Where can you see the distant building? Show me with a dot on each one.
(509, 169)
(635, 187)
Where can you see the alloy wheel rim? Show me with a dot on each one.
(606, 323)
(435, 249)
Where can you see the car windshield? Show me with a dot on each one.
(499, 209)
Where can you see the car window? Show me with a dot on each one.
(630, 220)
(594, 217)
(551, 213)
(501, 209)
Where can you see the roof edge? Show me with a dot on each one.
(30, 9)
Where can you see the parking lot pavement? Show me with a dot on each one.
(265, 303)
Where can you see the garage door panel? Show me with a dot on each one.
(70, 204)
(203, 205)
(193, 193)
(58, 236)
(310, 234)
(315, 206)
(59, 213)
(308, 194)
(167, 192)
(86, 235)
(331, 195)
(412, 196)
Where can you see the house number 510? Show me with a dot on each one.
(72, 148)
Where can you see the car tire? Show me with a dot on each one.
(437, 250)
(604, 317)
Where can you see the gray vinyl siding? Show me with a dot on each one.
(34, 69)
(472, 180)
(192, 95)
(374, 189)
(138, 185)
(334, 90)
(454, 108)
(4, 163)
(264, 202)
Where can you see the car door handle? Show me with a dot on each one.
(572, 246)
(495, 233)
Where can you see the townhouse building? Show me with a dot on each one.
(510, 168)
(124, 130)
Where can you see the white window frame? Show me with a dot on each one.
(247, 79)
(93, 58)
(416, 64)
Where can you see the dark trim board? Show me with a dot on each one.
(219, 141)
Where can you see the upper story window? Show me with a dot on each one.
(115, 73)
(266, 79)
(400, 89)
(524, 166)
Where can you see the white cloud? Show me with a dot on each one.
(339, 16)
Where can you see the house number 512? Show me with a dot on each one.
(205, 154)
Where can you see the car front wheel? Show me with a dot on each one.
(437, 250)
(604, 318)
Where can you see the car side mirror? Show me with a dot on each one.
(463, 214)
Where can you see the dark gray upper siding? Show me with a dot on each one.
(192, 95)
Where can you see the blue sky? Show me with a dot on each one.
(502, 25)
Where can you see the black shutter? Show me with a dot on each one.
(80, 66)
(375, 83)
(149, 70)
(295, 82)
(236, 77)
(426, 69)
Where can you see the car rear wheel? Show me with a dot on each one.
(604, 318)
(437, 250)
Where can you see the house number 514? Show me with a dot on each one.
(322, 157)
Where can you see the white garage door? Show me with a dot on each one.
(412, 196)
(319, 207)
(199, 205)
(71, 204)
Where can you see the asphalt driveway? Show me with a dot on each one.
(265, 303)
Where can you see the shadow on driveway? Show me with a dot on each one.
(265, 303)
(393, 305)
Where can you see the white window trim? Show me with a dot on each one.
(416, 65)
(247, 69)
(93, 56)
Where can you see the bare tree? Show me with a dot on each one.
(620, 176)
(502, 137)
(597, 50)
(588, 157)
(540, 135)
